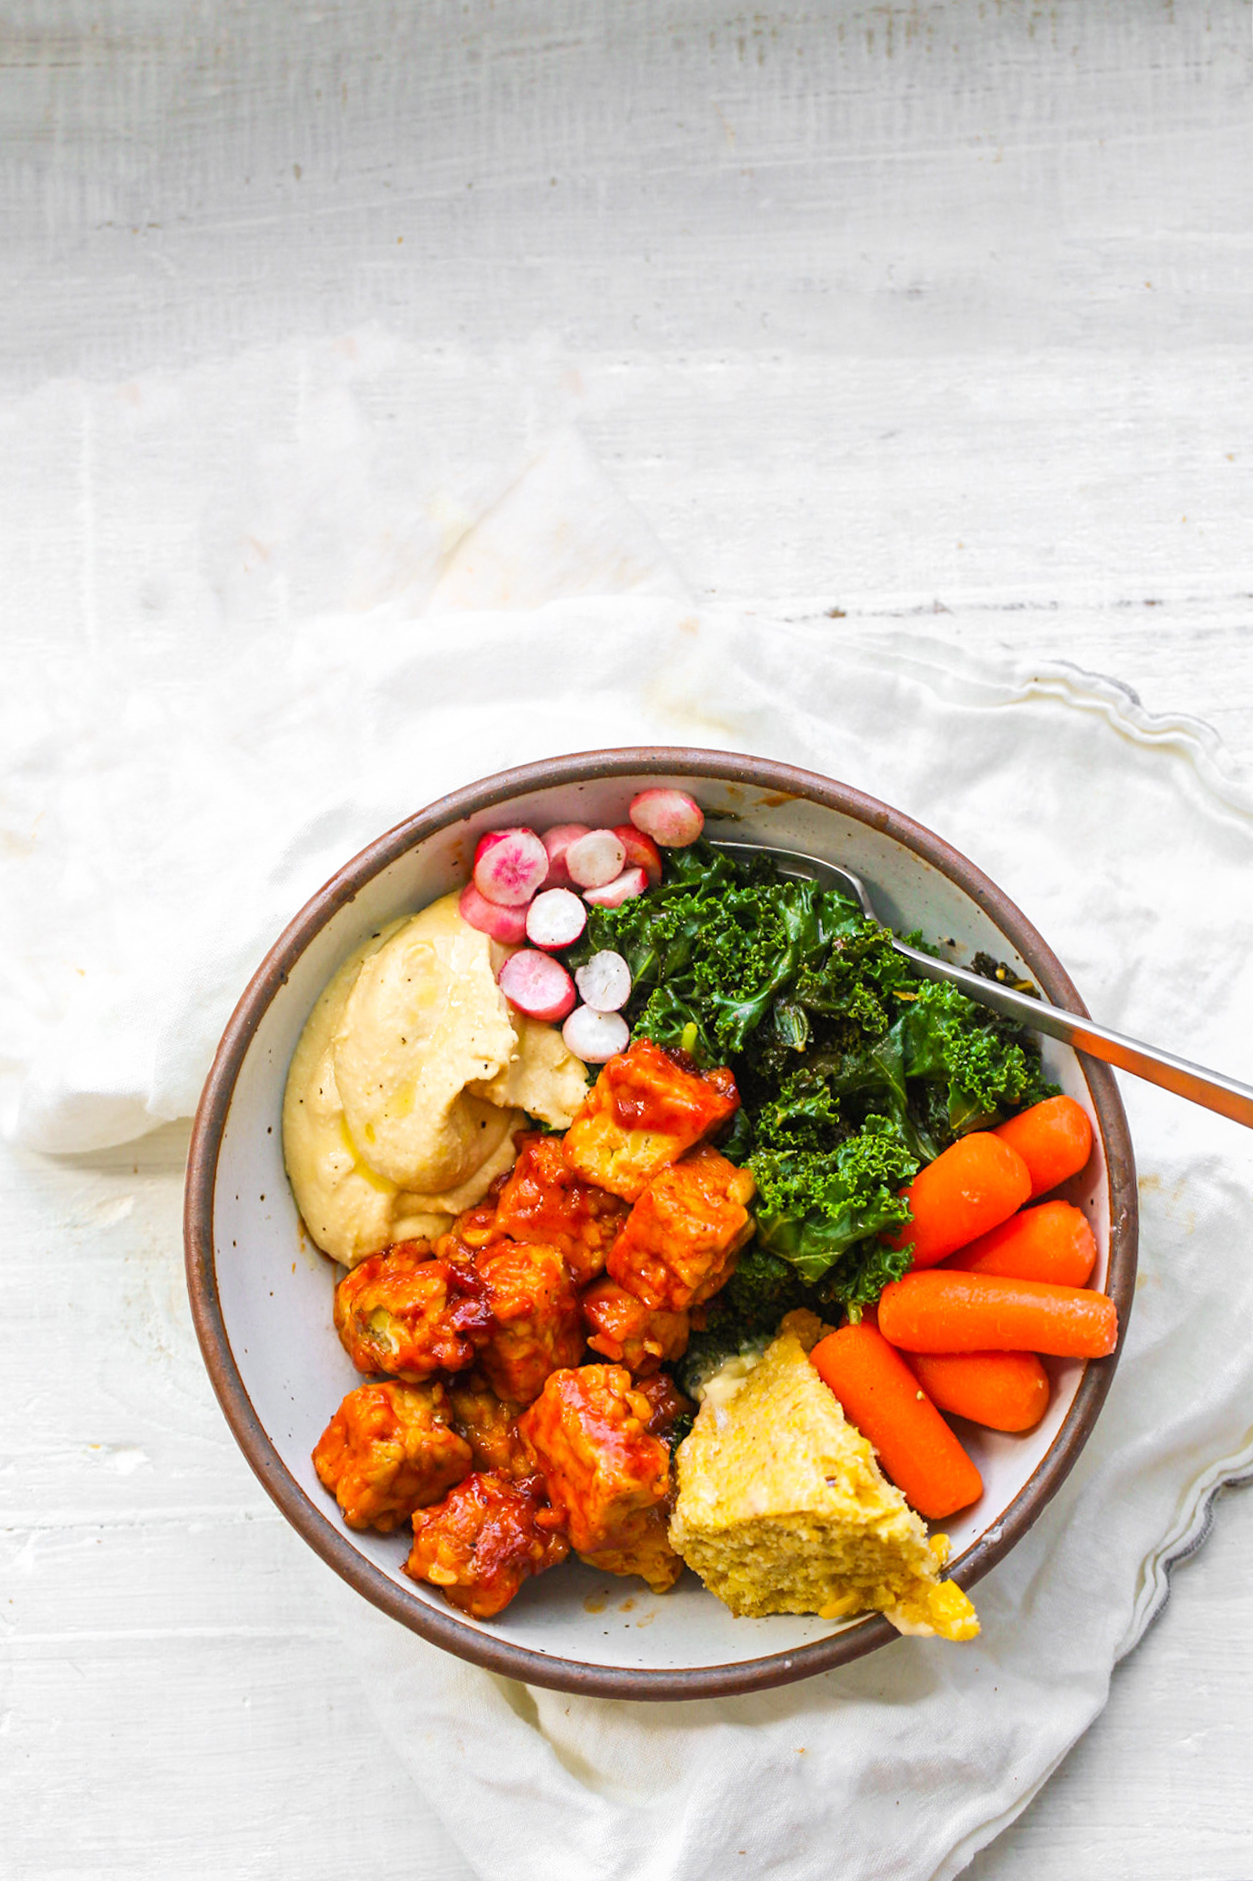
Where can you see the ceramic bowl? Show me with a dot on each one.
(261, 1294)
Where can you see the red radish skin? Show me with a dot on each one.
(489, 917)
(555, 918)
(509, 870)
(670, 817)
(604, 983)
(625, 887)
(641, 851)
(556, 841)
(537, 985)
(595, 1037)
(595, 859)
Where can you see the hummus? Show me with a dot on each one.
(543, 1078)
(408, 1083)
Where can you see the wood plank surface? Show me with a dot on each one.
(924, 313)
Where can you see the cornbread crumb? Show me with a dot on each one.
(781, 1508)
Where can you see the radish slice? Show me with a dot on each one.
(509, 865)
(670, 817)
(503, 924)
(555, 918)
(595, 1036)
(624, 887)
(595, 859)
(537, 985)
(641, 851)
(556, 841)
(604, 983)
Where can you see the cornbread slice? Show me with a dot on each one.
(782, 1508)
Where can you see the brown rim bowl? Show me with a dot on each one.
(261, 1295)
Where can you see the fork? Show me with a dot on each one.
(1185, 1079)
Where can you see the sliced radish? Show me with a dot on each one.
(509, 865)
(670, 817)
(556, 841)
(604, 983)
(624, 887)
(537, 985)
(503, 924)
(555, 918)
(641, 851)
(595, 1036)
(595, 859)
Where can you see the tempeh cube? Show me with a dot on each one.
(682, 1236)
(587, 1433)
(644, 1111)
(388, 1450)
(544, 1200)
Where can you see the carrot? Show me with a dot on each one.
(881, 1396)
(1053, 1138)
(1049, 1242)
(1004, 1390)
(957, 1312)
(971, 1187)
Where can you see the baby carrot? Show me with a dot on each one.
(1049, 1242)
(1053, 1138)
(1004, 1390)
(881, 1396)
(956, 1312)
(972, 1186)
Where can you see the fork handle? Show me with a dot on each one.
(1225, 1095)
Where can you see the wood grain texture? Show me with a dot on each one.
(885, 178)
(173, 1699)
(1159, 1785)
(923, 312)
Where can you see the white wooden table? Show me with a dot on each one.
(936, 311)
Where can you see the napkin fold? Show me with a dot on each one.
(163, 820)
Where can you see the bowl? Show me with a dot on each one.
(261, 1294)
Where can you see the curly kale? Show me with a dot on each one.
(714, 949)
(822, 1209)
(988, 1066)
(853, 1070)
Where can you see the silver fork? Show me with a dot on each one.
(1179, 1075)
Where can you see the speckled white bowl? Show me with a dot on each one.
(261, 1295)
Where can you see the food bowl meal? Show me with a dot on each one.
(559, 1201)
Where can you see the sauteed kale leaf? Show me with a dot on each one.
(817, 1206)
(853, 1070)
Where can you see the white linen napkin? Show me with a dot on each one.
(164, 824)
(1125, 839)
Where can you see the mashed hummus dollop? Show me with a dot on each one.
(410, 1078)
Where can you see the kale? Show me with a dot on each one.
(853, 1070)
(993, 969)
(823, 1209)
(713, 950)
(989, 1066)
